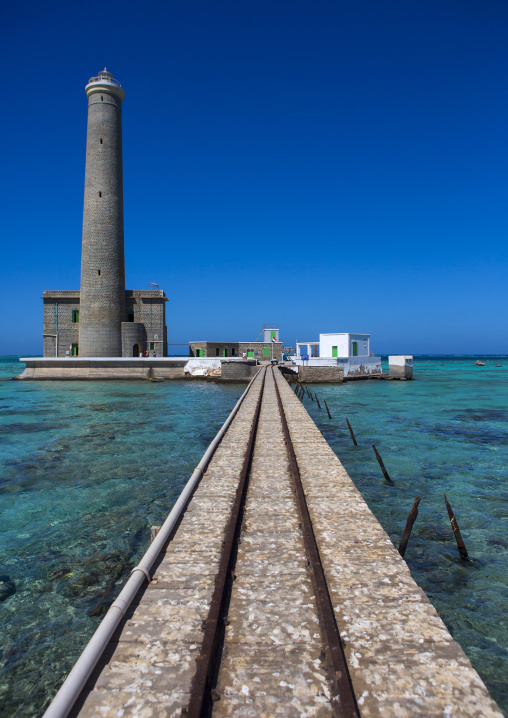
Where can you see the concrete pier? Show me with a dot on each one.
(401, 659)
(129, 368)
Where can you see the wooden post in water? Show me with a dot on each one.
(327, 409)
(458, 538)
(351, 432)
(380, 460)
(409, 525)
(310, 394)
(317, 400)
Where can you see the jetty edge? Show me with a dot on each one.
(399, 656)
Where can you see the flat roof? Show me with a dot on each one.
(208, 341)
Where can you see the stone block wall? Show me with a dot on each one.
(133, 335)
(242, 370)
(209, 349)
(320, 374)
(148, 307)
(57, 319)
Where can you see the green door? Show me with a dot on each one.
(224, 352)
(355, 349)
(266, 352)
(74, 350)
(198, 352)
(334, 352)
(217, 351)
(250, 353)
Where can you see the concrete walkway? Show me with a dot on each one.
(403, 661)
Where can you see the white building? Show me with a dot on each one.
(352, 351)
(344, 345)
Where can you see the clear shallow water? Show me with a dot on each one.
(88, 467)
(445, 432)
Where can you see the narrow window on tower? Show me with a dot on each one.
(100, 140)
(102, 98)
(98, 272)
(100, 194)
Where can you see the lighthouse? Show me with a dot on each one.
(103, 319)
(102, 295)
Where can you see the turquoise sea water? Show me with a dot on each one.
(88, 467)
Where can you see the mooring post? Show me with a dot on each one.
(327, 409)
(317, 400)
(380, 460)
(310, 394)
(409, 525)
(350, 431)
(153, 532)
(458, 538)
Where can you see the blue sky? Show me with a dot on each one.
(331, 165)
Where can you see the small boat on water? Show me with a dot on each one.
(155, 378)
(480, 363)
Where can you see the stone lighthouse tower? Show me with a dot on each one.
(104, 319)
(102, 296)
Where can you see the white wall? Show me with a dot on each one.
(353, 366)
(400, 360)
(344, 343)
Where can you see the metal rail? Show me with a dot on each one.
(343, 697)
(208, 660)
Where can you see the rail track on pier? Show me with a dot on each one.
(338, 693)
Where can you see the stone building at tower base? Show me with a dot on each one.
(144, 330)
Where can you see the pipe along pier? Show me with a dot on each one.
(272, 589)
